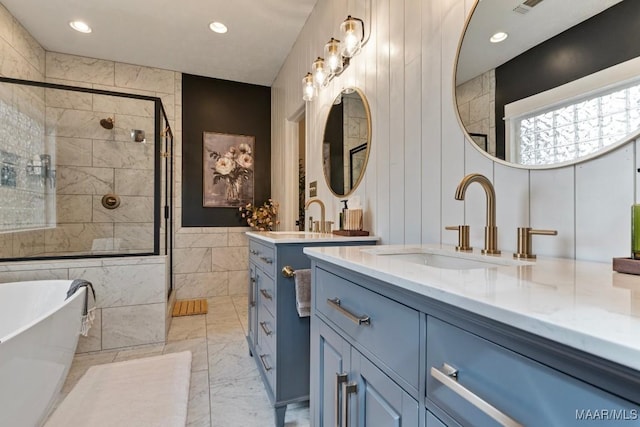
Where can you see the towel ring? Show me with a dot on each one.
(288, 271)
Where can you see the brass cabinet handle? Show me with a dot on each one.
(263, 325)
(266, 294)
(358, 320)
(266, 368)
(340, 379)
(448, 376)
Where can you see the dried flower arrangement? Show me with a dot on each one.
(261, 218)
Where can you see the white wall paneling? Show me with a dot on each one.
(552, 207)
(603, 200)
(419, 153)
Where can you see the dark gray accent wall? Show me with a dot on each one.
(214, 105)
(600, 42)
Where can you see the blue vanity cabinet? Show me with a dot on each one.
(277, 336)
(353, 391)
(517, 387)
(350, 325)
(252, 331)
(408, 354)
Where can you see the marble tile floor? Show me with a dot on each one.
(226, 390)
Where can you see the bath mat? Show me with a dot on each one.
(152, 391)
(189, 307)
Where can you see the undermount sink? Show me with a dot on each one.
(442, 258)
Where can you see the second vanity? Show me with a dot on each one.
(426, 336)
(278, 337)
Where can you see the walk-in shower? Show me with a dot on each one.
(83, 173)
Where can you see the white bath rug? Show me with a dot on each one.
(147, 392)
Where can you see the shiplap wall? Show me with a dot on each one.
(419, 152)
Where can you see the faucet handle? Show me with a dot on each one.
(463, 237)
(524, 241)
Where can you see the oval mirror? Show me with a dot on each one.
(346, 141)
(561, 86)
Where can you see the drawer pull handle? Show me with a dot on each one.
(347, 389)
(358, 320)
(266, 294)
(264, 328)
(448, 376)
(252, 301)
(266, 260)
(266, 367)
(254, 252)
(340, 379)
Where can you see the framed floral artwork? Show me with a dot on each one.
(227, 163)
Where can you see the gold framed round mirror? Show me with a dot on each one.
(557, 85)
(346, 142)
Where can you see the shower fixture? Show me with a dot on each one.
(107, 123)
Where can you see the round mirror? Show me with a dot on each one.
(545, 83)
(346, 141)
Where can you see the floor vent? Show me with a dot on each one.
(189, 307)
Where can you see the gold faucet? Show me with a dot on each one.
(318, 201)
(490, 230)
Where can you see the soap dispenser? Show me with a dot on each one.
(342, 214)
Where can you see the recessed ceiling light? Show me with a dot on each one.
(80, 26)
(218, 27)
(498, 37)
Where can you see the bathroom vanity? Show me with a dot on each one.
(278, 337)
(426, 336)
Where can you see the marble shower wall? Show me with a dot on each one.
(21, 138)
(93, 161)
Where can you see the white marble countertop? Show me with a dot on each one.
(277, 237)
(582, 304)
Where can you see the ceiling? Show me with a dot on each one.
(173, 34)
(547, 19)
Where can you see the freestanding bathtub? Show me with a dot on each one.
(38, 338)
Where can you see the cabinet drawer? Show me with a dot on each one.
(266, 329)
(391, 325)
(267, 363)
(516, 386)
(263, 256)
(266, 292)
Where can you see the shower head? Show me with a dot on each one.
(107, 123)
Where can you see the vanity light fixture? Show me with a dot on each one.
(498, 37)
(320, 75)
(80, 26)
(352, 33)
(309, 90)
(337, 55)
(218, 27)
(333, 57)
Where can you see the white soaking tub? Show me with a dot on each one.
(38, 338)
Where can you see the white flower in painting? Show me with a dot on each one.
(244, 148)
(224, 165)
(245, 160)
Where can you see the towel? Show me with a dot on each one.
(88, 314)
(303, 292)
